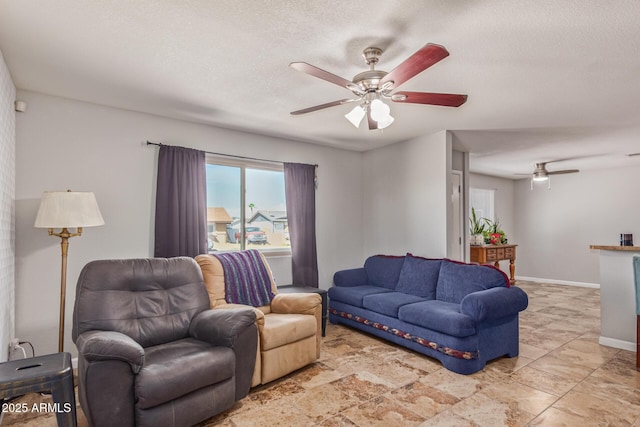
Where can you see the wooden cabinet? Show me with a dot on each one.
(493, 254)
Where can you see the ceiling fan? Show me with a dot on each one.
(540, 173)
(373, 86)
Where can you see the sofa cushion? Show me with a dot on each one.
(177, 368)
(457, 280)
(388, 302)
(281, 329)
(439, 316)
(353, 295)
(384, 270)
(419, 276)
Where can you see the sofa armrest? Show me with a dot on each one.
(296, 303)
(221, 326)
(494, 303)
(259, 313)
(111, 345)
(352, 277)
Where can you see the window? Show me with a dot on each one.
(482, 201)
(246, 206)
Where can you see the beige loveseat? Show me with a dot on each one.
(289, 328)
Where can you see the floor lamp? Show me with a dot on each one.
(64, 210)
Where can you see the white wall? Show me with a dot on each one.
(406, 187)
(64, 144)
(504, 203)
(555, 227)
(7, 208)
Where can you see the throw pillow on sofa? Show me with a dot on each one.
(419, 276)
(457, 279)
(384, 270)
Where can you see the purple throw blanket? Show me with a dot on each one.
(246, 279)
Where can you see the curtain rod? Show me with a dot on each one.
(226, 155)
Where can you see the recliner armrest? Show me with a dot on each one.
(494, 303)
(221, 326)
(296, 303)
(111, 345)
(352, 277)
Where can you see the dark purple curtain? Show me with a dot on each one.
(299, 181)
(181, 203)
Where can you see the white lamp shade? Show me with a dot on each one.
(64, 209)
(386, 122)
(379, 111)
(355, 116)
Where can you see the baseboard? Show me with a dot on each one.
(616, 343)
(560, 282)
(74, 362)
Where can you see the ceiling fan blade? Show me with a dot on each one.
(323, 106)
(444, 99)
(321, 74)
(424, 58)
(563, 171)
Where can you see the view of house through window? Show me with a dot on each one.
(246, 207)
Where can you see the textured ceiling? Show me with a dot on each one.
(546, 79)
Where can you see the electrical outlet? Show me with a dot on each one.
(15, 351)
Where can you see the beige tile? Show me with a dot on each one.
(276, 390)
(520, 396)
(280, 415)
(621, 369)
(382, 412)
(459, 386)
(585, 353)
(362, 386)
(485, 411)
(419, 361)
(562, 366)
(531, 352)
(423, 399)
(321, 402)
(337, 421)
(391, 368)
(315, 375)
(543, 381)
(613, 392)
(596, 408)
(448, 419)
(553, 417)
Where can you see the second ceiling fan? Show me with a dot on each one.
(540, 173)
(373, 86)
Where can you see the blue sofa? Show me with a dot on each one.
(461, 314)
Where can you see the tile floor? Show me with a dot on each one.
(561, 378)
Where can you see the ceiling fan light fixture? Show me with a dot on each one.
(540, 172)
(355, 116)
(384, 123)
(380, 112)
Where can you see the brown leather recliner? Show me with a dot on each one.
(151, 352)
(289, 328)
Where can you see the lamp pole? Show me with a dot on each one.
(64, 245)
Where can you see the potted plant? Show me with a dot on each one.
(477, 229)
(493, 234)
